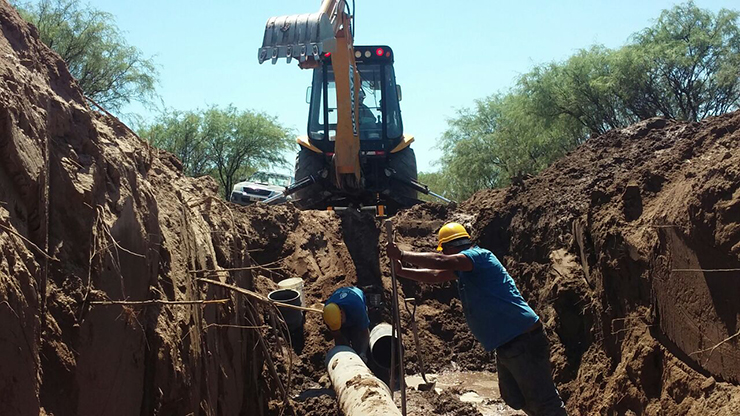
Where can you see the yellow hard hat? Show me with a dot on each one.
(451, 231)
(333, 316)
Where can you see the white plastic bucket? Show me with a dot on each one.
(295, 283)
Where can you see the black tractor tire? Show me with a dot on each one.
(404, 163)
(308, 163)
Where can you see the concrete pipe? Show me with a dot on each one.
(359, 392)
(293, 317)
(380, 344)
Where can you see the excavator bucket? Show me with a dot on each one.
(297, 36)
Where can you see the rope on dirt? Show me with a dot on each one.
(34, 246)
(158, 302)
(712, 349)
(237, 269)
(267, 358)
(23, 331)
(237, 326)
(637, 321)
(257, 296)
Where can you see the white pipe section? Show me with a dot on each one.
(359, 392)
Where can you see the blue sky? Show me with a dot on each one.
(447, 53)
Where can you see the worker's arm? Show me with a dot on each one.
(339, 338)
(424, 275)
(436, 261)
(360, 343)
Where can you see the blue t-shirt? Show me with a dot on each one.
(352, 301)
(494, 308)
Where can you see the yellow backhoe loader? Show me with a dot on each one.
(355, 152)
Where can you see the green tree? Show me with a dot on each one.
(108, 70)
(471, 159)
(685, 67)
(581, 88)
(691, 59)
(225, 143)
(501, 138)
(240, 142)
(182, 134)
(437, 183)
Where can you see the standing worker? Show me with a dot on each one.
(345, 313)
(496, 313)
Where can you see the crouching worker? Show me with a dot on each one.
(345, 313)
(496, 313)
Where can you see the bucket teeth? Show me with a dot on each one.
(297, 36)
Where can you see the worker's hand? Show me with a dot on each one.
(393, 252)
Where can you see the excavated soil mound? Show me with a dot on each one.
(628, 248)
(90, 213)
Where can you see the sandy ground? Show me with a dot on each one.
(475, 387)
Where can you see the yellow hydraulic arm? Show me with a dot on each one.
(308, 37)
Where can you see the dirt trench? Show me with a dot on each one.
(628, 248)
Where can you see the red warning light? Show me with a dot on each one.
(379, 51)
(328, 54)
(388, 54)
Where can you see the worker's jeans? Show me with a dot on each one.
(524, 375)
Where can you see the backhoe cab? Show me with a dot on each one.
(384, 153)
(355, 152)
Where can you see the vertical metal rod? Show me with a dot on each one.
(397, 325)
(391, 375)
